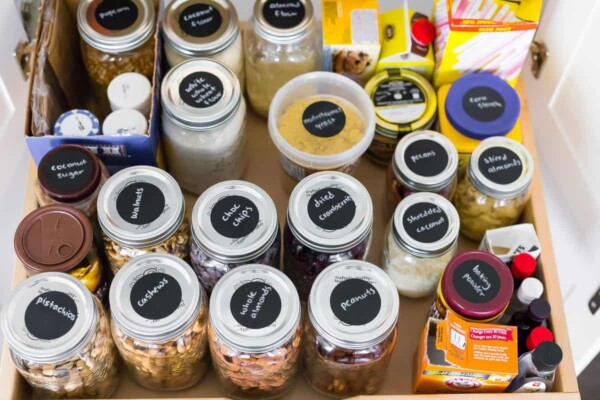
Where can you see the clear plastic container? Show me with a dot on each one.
(327, 113)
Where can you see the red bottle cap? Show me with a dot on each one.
(523, 266)
(538, 335)
(423, 31)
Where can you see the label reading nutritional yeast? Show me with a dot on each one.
(324, 119)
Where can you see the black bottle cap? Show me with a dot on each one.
(539, 310)
(547, 356)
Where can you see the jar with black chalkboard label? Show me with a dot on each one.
(329, 219)
(142, 210)
(495, 189)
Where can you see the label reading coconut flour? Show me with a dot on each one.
(476, 281)
(51, 315)
(140, 203)
(355, 302)
(331, 209)
(155, 295)
(500, 165)
(483, 104)
(200, 20)
(255, 305)
(324, 119)
(201, 90)
(116, 15)
(284, 14)
(68, 170)
(425, 222)
(426, 158)
(234, 217)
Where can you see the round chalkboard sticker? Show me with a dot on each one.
(255, 305)
(51, 315)
(331, 209)
(284, 14)
(483, 104)
(500, 165)
(201, 89)
(116, 15)
(140, 203)
(324, 119)
(234, 217)
(425, 222)
(426, 158)
(200, 20)
(476, 281)
(355, 302)
(155, 296)
(66, 171)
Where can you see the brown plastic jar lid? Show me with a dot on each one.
(69, 173)
(53, 238)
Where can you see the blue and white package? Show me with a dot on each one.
(77, 122)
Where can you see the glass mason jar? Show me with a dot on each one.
(159, 318)
(420, 241)
(204, 29)
(204, 114)
(59, 338)
(351, 330)
(329, 219)
(233, 223)
(141, 210)
(59, 238)
(255, 332)
(281, 42)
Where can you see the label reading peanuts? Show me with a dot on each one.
(425, 222)
(284, 14)
(51, 315)
(483, 104)
(155, 295)
(476, 281)
(201, 90)
(116, 15)
(500, 165)
(255, 305)
(426, 158)
(355, 302)
(65, 171)
(324, 119)
(234, 217)
(331, 209)
(140, 203)
(200, 20)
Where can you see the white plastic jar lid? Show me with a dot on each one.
(125, 122)
(130, 90)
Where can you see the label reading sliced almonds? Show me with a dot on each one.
(500, 165)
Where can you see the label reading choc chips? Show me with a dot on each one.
(500, 165)
(476, 281)
(155, 295)
(284, 14)
(51, 315)
(324, 119)
(255, 305)
(201, 90)
(116, 15)
(200, 20)
(140, 203)
(234, 217)
(355, 302)
(331, 209)
(425, 222)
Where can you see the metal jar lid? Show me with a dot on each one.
(283, 20)
(49, 318)
(69, 173)
(353, 304)
(140, 207)
(198, 28)
(500, 167)
(234, 221)
(425, 161)
(116, 26)
(255, 308)
(200, 94)
(330, 211)
(53, 238)
(426, 225)
(155, 297)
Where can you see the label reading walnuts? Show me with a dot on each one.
(140, 203)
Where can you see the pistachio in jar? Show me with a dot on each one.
(141, 210)
(255, 332)
(494, 191)
(59, 338)
(159, 318)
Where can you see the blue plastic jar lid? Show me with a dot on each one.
(77, 122)
(482, 105)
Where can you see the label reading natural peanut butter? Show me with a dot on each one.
(155, 295)
(355, 302)
(425, 222)
(284, 14)
(201, 89)
(331, 209)
(324, 119)
(483, 104)
(116, 15)
(140, 203)
(476, 281)
(234, 217)
(255, 305)
(500, 165)
(51, 315)
(200, 20)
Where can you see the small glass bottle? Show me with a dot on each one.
(159, 319)
(204, 114)
(522, 266)
(537, 369)
(59, 338)
(255, 332)
(530, 289)
(351, 329)
(280, 42)
(537, 336)
(233, 223)
(329, 219)
(142, 210)
(494, 191)
(420, 241)
(535, 315)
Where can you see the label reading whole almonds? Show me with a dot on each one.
(51, 315)
(255, 305)
(331, 209)
(355, 302)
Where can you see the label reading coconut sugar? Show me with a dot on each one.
(476, 281)
(500, 165)
(324, 119)
(155, 295)
(116, 15)
(51, 315)
(200, 20)
(426, 158)
(399, 101)
(66, 171)
(201, 90)
(331, 209)
(355, 302)
(140, 203)
(483, 104)
(284, 14)
(255, 305)
(425, 222)
(234, 217)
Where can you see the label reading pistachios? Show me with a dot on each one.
(425, 222)
(234, 217)
(201, 90)
(116, 15)
(155, 295)
(200, 20)
(331, 209)
(426, 158)
(500, 165)
(476, 281)
(483, 104)
(140, 203)
(324, 119)
(255, 305)
(355, 302)
(51, 315)
(284, 14)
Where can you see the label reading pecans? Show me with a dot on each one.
(140, 203)
(255, 305)
(425, 222)
(398, 92)
(331, 209)
(284, 14)
(483, 104)
(65, 171)
(426, 158)
(201, 90)
(476, 281)
(234, 217)
(116, 15)
(355, 302)
(51, 315)
(324, 119)
(200, 20)
(155, 295)
(500, 165)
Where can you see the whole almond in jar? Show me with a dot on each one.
(59, 338)
(255, 332)
(351, 329)
(141, 210)
(159, 317)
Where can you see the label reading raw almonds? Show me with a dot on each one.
(66, 171)
(116, 15)
(426, 158)
(331, 209)
(140, 203)
(500, 165)
(425, 222)
(255, 305)
(483, 104)
(155, 295)
(234, 217)
(324, 119)
(200, 20)
(355, 302)
(284, 14)
(476, 281)
(201, 90)
(51, 315)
